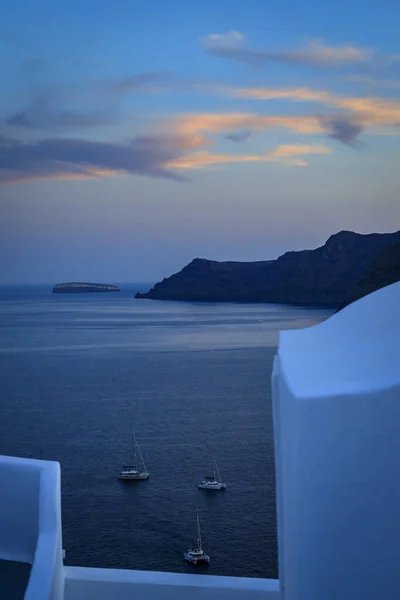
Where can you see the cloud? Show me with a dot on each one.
(51, 108)
(362, 112)
(224, 39)
(239, 136)
(82, 159)
(48, 108)
(48, 120)
(191, 123)
(382, 83)
(263, 93)
(371, 110)
(345, 130)
(314, 53)
(285, 154)
(151, 81)
(154, 156)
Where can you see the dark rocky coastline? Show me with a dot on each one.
(324, 277)
(82, 288)
(384, 271)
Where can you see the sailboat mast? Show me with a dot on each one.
(213, 463)
(217, 474)
(134, 448)
(141, 457)
(198, 530)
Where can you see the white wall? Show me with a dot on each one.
(30, 523)
(118, 584)
(336, 399)
(19, 507)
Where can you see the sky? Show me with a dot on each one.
(136, 136)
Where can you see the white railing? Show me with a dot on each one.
(30, 523)
(118, 584)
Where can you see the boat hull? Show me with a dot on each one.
(131, 477)
(201, 560)
(218, 486)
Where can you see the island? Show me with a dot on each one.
(323, 277)
(83, 288)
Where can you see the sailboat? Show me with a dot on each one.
(196, 554)
(133, 472)
(212, 482)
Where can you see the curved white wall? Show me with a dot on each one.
(19, 507)
(30, 523)
(336, 396)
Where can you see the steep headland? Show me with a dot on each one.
(322, 277)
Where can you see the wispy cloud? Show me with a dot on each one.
(181, 139)
(82, 159)
(344, 129)
(153, 156)
(48, 107)
(191, 123)
(48, 120)
(314, 53)
(371, 110)
(360, 112)
(285, 154)
(54, 108)
(239, 136)
(373, 82)
(149, 82)
(267, 93)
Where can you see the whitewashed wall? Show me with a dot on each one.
(118, 584)
(30, 523)
(336, 401)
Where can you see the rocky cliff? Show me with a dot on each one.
(77, 287)
(321, 277)
(384, 271)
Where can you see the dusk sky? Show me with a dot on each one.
(136, 136)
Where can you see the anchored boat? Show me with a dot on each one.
(133, 471)
(214, 481)
(196, 554)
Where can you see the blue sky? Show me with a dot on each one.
(137, 136)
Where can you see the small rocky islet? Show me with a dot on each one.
(75, 287)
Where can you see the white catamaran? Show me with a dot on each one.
(196, 554)
(133, 472)
(214, 481)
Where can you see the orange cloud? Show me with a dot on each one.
(191, 123)
(314, 53)
(261, 93)
(21, 176)
(77, 158)
(335, 56)
(369, 110)
(285, 154)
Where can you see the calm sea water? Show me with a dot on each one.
(78, 370)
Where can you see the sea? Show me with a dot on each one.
(78, 371)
